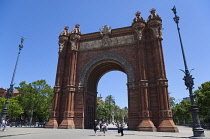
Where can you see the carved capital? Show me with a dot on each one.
(165, 113)
(57, 89)
(145, 114)
(162, 82)
(132, 86)
(143, 83)
(70, 88)
(69, 114)
(54, 114)
(133, 114)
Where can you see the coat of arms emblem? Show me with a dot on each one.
(105, 30)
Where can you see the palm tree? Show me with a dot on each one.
(110, 101)
(124, 114)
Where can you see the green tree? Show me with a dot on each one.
(2, 102)
(203, 101)
(14, 108)
(109, 100)
(106, 110)
(110, 103)
(182, 113)
(125, 114)
(172, 101)
(36, 98)
(118, 113)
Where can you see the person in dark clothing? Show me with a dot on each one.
(95, 126)
(121, 127)
(118, 128)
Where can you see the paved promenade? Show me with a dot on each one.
(43, 133)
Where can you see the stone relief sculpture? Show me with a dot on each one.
(139, 33)
(160, 31)
(105, 30)
(97, 43)
(106, 41)
(130, 39)
(61, 45)
(73, 46)
(157, 31)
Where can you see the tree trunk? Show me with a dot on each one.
(31, 118)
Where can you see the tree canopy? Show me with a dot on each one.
(35, 99)
(108, 110)
(202, 97)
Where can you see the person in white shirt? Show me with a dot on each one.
(104, 127)
(121, 127)
(4, 125)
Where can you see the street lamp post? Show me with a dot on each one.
(197, 129)
(10, 90)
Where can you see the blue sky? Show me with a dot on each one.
(41, 21)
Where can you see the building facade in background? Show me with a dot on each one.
(4, 91)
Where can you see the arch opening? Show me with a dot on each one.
(96, 74)
(112, 94)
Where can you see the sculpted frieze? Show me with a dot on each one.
(107, 42)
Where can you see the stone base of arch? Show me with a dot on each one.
(67, 124)
(146, 125)
(167, 126)
(52, 123)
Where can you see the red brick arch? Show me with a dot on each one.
(104, 63)
(135, 50)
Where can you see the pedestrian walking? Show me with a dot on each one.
(118, 127)
(100, 125)
(4, 125)
(104, 127)
(95, 126)
(121, 127)
(44, 123)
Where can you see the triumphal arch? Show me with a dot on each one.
(135, 50)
